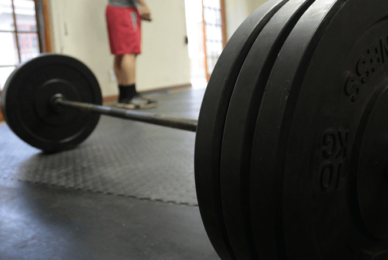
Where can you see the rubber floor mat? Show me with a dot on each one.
(121, 157)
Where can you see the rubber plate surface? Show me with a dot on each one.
(240, 124)
(212, 120)
(267, 172)
(325, 94)
(26, 102)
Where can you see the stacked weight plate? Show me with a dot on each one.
(239, 129)
(212, 121)
(292, 147)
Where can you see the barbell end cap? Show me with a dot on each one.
(54, 100)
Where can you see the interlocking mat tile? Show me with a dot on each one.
(121, 157)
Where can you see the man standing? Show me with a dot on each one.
(124, 29)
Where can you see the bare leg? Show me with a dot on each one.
(125, 69)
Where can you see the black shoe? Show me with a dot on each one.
(137, 102)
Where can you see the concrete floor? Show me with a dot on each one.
(51, 222)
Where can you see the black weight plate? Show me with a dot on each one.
(26, 102)
(267, 167)
(240, 124)
(211, 123)
(321, 137)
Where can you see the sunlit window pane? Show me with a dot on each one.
(214, 37)
(29, 45)
(8, 50)
(4, 74)
(213, 3)
(25, 15)
(212, 16)
(6, 16)
(24, 42)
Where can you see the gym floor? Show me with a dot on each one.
(128, 192)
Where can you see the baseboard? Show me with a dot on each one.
(110, 99)
(1, 112)
(171, 89)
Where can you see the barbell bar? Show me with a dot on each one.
(59, 100)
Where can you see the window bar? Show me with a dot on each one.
(46, 33)
(16, 31)
(204, 41)
(5, 31)
(40, 24)
(223, 24)
(212, 8)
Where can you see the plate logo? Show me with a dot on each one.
(368, 64)
(334, 153)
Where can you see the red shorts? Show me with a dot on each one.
(124, 29)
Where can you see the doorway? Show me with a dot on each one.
(206, 31)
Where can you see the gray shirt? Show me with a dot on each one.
(123, 3)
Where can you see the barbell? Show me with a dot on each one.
(291, 149)
(41, 104)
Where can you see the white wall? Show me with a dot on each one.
(254, 4)
(237, 11)
(79, 30)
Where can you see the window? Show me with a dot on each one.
(206, 30)
(19, 36)
(215, 33)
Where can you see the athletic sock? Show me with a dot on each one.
(127, 92)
